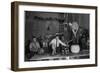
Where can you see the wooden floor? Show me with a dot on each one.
(81, 55)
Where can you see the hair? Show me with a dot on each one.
(33, 37)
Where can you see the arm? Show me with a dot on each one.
(38, 45)
(30, 46)
(51, 42)
(62, 43)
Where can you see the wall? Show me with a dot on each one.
(37, 23)
(37, 27)
(5, 37)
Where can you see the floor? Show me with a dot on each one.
(81, 55)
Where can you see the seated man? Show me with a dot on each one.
(34, 46)
(55, 43)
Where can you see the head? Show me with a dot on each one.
(34, 39)
(75, 26)
(57, 37)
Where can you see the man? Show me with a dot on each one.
(74, 33)
(55, 43)
(34, 46)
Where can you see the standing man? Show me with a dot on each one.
(55, 43)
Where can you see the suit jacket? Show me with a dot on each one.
(69, 35)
